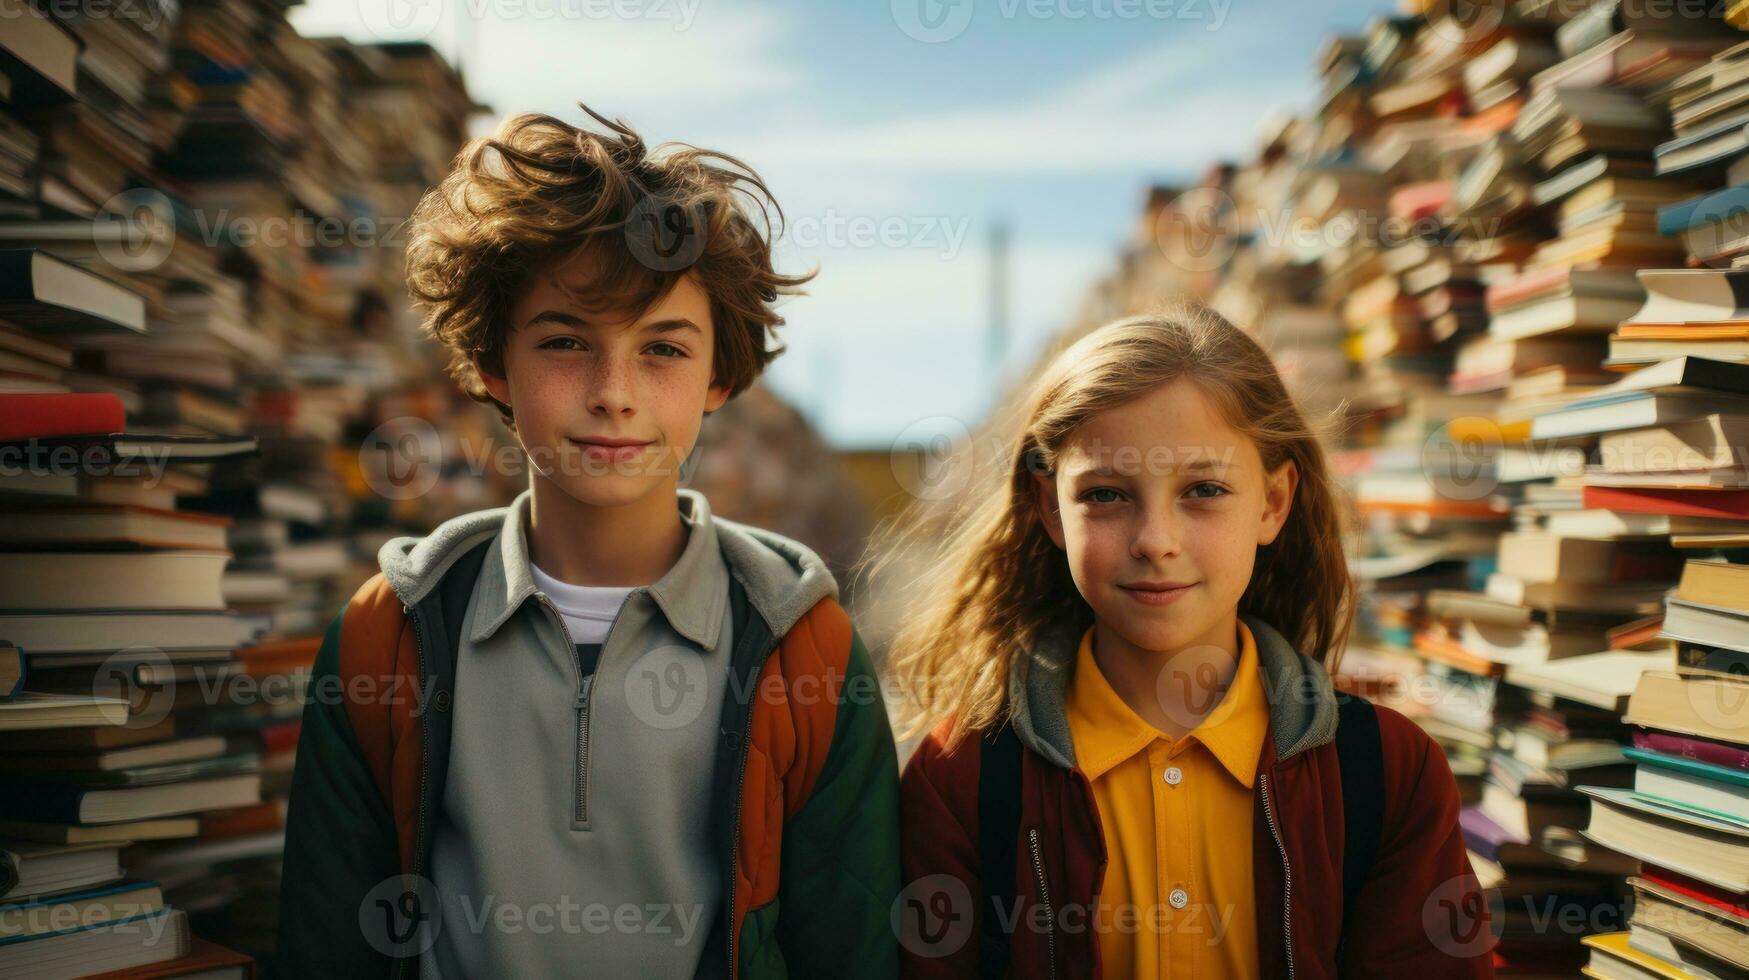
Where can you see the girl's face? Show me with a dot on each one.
(1160, 505)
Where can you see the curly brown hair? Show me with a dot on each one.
(541, 192)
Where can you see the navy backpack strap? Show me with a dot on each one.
(998, 839)
(1361, 758)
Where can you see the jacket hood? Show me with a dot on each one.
(783, 578)
(1302, 701)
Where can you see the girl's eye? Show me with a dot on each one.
(1219, 490)
(554, 343)
(1102, 495)
(667, 350)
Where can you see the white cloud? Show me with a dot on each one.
(619, 55)
(1152, 112)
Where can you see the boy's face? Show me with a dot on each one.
(608, 407)
(1160, 506)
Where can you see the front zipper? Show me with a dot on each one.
(1044, 895)
(580, 798)
(1287, 873)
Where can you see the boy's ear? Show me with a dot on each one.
(1045, 499)
(716, 398)
(1278, 500)
(498, 387)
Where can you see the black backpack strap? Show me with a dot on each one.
(998, 841)
(752, 643)
(1361, 758)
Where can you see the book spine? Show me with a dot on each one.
(1700, 750)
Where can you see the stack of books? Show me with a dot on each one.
(1540, 417)
(202, 316)
(81, 776)
(1685, 815)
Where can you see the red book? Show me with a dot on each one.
(41, 416)
(1416, 201)
(1733, 504)
(1698, 749)
(1726, 902)
(1518, 289)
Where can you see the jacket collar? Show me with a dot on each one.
(1108, 731)
(692, 595)
(1302, 701)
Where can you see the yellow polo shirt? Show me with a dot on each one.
(1177, 898)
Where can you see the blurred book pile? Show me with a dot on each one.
(202, 321)
(1506, 259)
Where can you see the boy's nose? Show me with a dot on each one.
(611, 392)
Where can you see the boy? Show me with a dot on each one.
(598, 732)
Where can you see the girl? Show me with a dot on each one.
(1136, 764)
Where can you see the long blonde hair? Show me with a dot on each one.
(999, 580)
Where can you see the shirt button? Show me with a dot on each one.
(1178, 899)
(1174, 775)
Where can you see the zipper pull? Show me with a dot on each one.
(583, 691)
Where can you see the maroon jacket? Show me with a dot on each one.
(1420, 913)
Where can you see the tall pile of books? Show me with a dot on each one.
(1685, 815)
(1541, 417)
(190, 357)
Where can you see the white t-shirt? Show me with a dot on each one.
(588, 610)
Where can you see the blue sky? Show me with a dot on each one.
(896, 133)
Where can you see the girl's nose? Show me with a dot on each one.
(1157, 536)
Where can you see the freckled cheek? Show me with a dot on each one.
(1098, 550)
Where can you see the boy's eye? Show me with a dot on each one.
(667, 350)
(557, 343)
(1102, 495)
(1219, 490)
